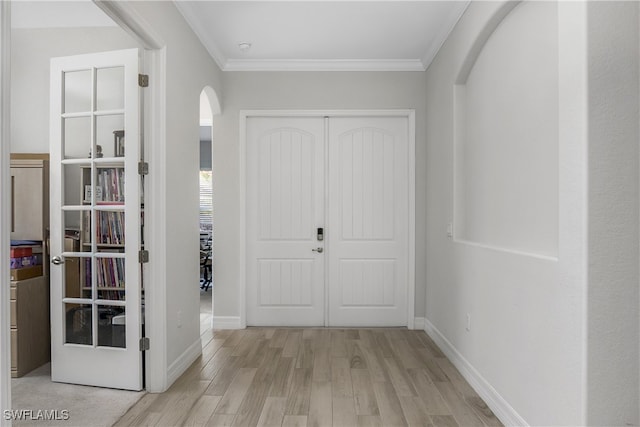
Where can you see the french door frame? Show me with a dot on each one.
(411, 162)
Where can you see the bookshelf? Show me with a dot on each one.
(106, 235)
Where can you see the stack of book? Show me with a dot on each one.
(26, 259)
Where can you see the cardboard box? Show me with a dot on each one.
(26, 272)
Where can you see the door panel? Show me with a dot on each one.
(368, 221)
(95, 191)
(285, 205)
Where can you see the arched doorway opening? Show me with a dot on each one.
(209, 106)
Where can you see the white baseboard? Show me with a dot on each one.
(418, 323)
(226, 322)
(485, 390)
(183, 362)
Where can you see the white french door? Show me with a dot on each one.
(328, 208)
(95, 220)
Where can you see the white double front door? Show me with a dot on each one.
(327, 209)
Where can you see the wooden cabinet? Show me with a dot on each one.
(30, 331)
(29, 198)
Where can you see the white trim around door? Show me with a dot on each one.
(410, 189)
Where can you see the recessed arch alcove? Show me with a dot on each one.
(506, 133)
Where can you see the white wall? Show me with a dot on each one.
(301, 90)
(526, 338)
(31, 51)
(612, 344)
(189, 70)
(552, 342)
(506, 123)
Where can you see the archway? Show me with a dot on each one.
(209, 106)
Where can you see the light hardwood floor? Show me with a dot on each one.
(316, 377)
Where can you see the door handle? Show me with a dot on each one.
(319, 250)
(56, 260)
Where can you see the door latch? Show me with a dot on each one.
(319, 250)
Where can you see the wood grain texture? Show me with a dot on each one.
(316, 377)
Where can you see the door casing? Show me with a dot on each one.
(409, 114)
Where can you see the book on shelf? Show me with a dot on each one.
(111, 182)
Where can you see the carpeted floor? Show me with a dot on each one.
(86, 406)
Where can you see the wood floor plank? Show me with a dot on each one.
(364, 397)
(400, 379)
(430, 345)
(344, 412)
(414, 411)
(321, 339)
(341, 385)
(483, 411)
(435, 372)
(431, 398)
(383, 344)
(338, 343)
(234, 338)
(375, 362)
(292, 345)
(221, 420)
(352, 334)
(217, 362)
(320, 404)
(255, 355)
(322, 364)
(279, 338)
(443, 421)
(137, 411)
(391, 411)
(253, 404)
(356, 357)
(305, 355)
(236, 391)
(406, 354)
(366, 337)
(298, 399)
(272, 411)
(202, 411)
(468, 393)
(462, 412)
(225, 375)
(414, 340)
(267, 368)
(174, 413)
(294, 421)
(282, 377)
(369, 421)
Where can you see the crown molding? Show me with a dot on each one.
(227, 64)
(209, 44)
(323, 65)
(443, 35)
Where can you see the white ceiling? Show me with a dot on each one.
(391, 35)
(323, 35)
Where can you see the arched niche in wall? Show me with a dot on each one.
(506, 133)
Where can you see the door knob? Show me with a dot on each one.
(56, 260)
(319, 250)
